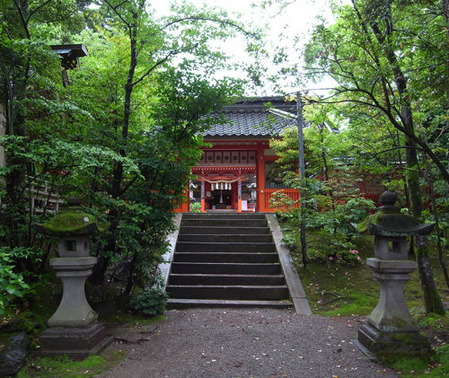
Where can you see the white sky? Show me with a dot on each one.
(297, 19)
(299, 16)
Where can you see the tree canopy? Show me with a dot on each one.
(122, 135)
(391, 76)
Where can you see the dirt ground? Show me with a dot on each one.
(243, 343)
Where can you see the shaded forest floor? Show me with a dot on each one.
(334, 289)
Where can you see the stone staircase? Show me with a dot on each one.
(226, 260)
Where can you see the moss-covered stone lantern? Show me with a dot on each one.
(73, 328)
(73, 227)
(390, 329)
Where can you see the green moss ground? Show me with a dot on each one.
(63, 366)
(32, 316)
(338, 290)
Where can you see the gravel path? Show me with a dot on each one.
(243, 343)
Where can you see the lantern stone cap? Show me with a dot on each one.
(389, 221)
(69, 54)
(73, 221)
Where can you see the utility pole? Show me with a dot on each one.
(302, 170)
(302, 175)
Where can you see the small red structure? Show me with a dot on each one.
(238, 172)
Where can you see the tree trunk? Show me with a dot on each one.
(440, 233)
(111, 247)
(432, 299)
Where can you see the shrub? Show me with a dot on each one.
(332, 248)
(195, 207)
(330, 222)
(350, 257)
(150, 301)
(12, 284)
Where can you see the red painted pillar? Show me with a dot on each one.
(239, 205)
(203, 199)
(184, 205)
(260, 180)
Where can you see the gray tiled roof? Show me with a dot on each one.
(251, 118)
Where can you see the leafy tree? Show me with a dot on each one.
(157, 116)
(29, 98)
(123, 135)
(331, 201)
(379, 55)
(26, 64)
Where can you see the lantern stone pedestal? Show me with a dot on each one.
(73, 328)
(78, 343)
(74, 310)
(390, 329)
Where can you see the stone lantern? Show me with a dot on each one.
(73, 328)
(390, 328)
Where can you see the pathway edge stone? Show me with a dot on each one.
(164, 267)
(295, 287)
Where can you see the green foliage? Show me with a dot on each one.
(334, 221)
(442, 366)
(409, 366)
(332, 248)
(123, 136)
(435, 321)
(195, 207)
(64, 366)
(12, 284)
(336, 290)
(377, 53)
(340, 289)
(354, 303)
(149, 301)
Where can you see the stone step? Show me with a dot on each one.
(182, 246)
(228, 292)
(227, 257)
(222, 230)
(212, 222)
(211, 238)
(225, 268)
(222, 216)
(225, 303)
(225, 279)
(227, 260)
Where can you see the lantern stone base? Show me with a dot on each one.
(77, 343)
(375, 343)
